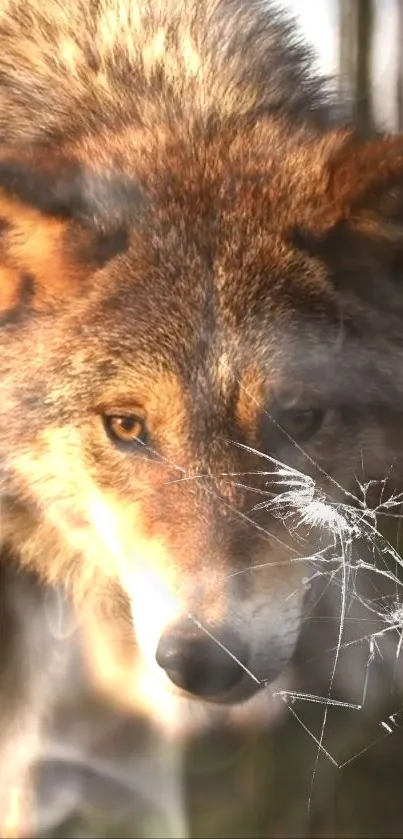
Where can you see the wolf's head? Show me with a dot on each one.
(183, 316)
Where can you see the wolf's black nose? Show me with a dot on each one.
(200, 664)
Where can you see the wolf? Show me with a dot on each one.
(200, 286)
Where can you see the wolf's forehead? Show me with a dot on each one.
(176, 364)
(162, 327)
(201, 373)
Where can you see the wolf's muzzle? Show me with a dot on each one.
(205, 664)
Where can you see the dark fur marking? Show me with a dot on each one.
(52, 192)
(104, 246)
(108, 245)
(67, 190)
(26, 292)
(4, 227)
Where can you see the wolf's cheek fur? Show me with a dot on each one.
(96, 539)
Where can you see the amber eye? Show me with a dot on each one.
(125, 429)
(300, 424)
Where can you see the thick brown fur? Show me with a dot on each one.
(188, 235)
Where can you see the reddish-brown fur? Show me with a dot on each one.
(208, 252)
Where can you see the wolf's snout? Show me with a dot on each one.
(201, 664)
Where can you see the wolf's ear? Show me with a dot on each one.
(360, 199)
(59, 221)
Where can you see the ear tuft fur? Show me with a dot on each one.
(365, 186)
(59, 222)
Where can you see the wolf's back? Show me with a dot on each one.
(68, 67)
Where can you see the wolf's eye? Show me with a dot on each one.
(300, 424)
(125, 429)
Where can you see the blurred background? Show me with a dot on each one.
(330, 762)
(359, 42)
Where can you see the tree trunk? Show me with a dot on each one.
(399, 89)
(356, 19)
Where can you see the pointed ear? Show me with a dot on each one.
(365, 185)
(360, 199)
(59, 221)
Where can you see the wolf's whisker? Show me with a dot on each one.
(223, 647)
